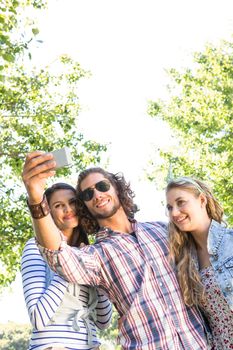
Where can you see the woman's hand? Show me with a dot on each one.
(37, 168)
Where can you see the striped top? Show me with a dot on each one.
(61, 313)
(134, 271)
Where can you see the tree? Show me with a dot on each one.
(199, 112)
(39, 109)
(14, 38)
(14, 336)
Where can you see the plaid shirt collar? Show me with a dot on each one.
(106, 232)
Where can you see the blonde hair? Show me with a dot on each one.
(182, 245)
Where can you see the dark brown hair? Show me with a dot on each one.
(125, 195)
(79, 235)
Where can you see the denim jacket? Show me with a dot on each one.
(220, 248)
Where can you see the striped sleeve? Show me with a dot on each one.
(41, 300)
(103, 311)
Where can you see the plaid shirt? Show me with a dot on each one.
(134, 271)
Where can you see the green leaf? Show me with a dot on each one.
(35, 31)
(8, 57)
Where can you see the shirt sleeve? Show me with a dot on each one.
(103, 311)
(76, 265)
(42, 297)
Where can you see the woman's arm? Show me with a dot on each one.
(103, 311)
(42, 295)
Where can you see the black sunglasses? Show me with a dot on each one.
(88, 193)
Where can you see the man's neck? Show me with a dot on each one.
(118, 222)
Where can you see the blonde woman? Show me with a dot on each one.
(202, 249)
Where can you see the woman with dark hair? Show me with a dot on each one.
(63, 315)
(201, 248)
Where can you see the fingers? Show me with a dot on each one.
(39, 164)
(35, 158)
(38, 167)
(34, 154)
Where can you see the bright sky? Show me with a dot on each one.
(126, 44)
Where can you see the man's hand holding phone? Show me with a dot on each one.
(38, 167)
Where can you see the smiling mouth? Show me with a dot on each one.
(180, 220)
(103, 203)
(69, 217)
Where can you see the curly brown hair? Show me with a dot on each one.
(79, 235)
(125, 195)
(182, 244)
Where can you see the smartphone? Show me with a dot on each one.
(62, 157)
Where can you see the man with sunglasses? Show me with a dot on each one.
(128, 260)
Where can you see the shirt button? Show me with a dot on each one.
(178, 330)
(170, 307)
(161, 284)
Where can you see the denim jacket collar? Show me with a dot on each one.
(215, 235)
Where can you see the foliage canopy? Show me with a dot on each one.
(39, 109)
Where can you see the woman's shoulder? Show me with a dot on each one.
(31, 243)
(31, 247)
(31, 240)
(219, 230)
(220, 240)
